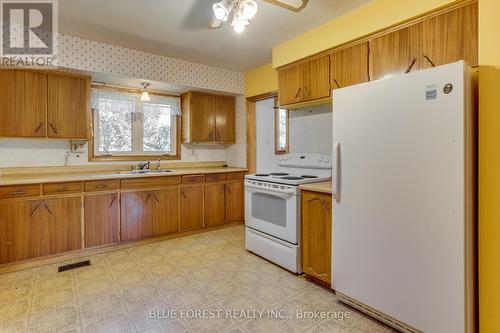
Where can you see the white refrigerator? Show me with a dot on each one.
(403, 231)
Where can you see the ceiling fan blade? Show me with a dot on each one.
(214, 23)
(293, 5)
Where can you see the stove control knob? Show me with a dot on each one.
(321, 159)
(327, 159)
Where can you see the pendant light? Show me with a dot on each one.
(145, 95)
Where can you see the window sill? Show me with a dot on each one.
(134, 158)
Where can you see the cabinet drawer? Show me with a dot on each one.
(235, 175)
(215, 177)
(149, 182)
(102, 185)
(193, 179)
(19, 191)
(62, 188)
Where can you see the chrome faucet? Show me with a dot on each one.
(143, 165)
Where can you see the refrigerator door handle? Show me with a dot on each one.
(336, 180)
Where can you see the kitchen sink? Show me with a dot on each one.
(139, 172)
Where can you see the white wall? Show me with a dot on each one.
(264, 120)
(311, 130)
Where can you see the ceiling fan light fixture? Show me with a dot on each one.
(239, 24)
(222, 9)
(248, 9)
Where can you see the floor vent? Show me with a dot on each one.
(73, 266)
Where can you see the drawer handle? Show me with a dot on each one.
(35, 210)
(38, 127)
(21, 192)
(429, 61)
(410, 65)
(112, 201)
(54, 129)
(101, 186)
(50, 210)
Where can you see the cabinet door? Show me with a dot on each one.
(191, 207)
(166, 211)
(225, 111)
(290, 85)
(68, 103)
(16, 221)
(61, 218)
(395, 53)
(451, 37)
(23, 101)
(235, 194)
(316, 235)
(101, 219)
(202, 112)
(316, 78)
(349, 66)
(215, 204)
(136, 215)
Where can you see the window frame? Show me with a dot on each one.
(92, 157)
(277, 150)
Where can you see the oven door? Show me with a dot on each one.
(272, 211)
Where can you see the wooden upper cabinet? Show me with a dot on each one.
(165, 211)
(235, 201)
(317, 235)
(451, 37)
(349, 66)
(395, 53)
(68, 101)
(316, 79)
(191, 207)
(215, 204)
(225, 113)
(23, 103)
(305, 81)
(207, 118)
(290, 85)
(102, 214)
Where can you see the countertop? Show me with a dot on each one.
(323, 187)
(64, 177)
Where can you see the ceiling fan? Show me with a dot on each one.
(244, 10)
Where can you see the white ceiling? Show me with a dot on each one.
(178, 28)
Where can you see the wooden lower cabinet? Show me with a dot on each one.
(102, 215)
(191, 207)
(136, 215)
(235, 198)
(215, 204)
(30, 229)
(166, 211)
(317, 235)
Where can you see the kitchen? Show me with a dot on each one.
(152, 172)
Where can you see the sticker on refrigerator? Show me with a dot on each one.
(431, 94)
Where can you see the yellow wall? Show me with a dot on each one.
(489, 166)
(374, 16)
(261, 80)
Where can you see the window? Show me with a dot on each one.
(126, 127)
(281, 131)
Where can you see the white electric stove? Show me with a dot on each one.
(272, 207)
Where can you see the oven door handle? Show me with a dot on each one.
(271, 191)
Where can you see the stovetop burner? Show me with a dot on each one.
(309, 176)
(262, 174)
(279, 174)
(292, 178)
